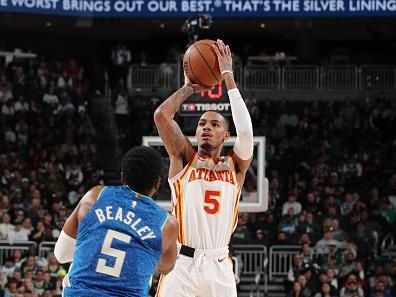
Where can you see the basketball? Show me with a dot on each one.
(200, 64)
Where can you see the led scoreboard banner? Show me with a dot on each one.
(216, 99)
(216, 8)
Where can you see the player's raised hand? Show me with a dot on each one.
(224, 56)
(195, 87)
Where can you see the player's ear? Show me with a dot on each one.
(158, 184)
(226, 135)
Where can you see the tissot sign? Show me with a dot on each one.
(216, 8)
(217, 100)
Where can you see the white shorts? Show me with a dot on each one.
(209, 274)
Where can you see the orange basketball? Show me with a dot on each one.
(200, 64)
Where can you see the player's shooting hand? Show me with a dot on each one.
(224, 56)
(196, 88)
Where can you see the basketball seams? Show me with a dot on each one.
(192, 72)
(206, 62)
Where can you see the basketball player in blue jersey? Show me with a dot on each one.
(118, 235)
(205, 189)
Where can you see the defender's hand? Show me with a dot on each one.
(224, 57)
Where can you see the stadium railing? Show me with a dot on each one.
(252, 264)
(262, 77)
(300, 77)
(153, 76)
(339, 77)
(377, 77)
(7, 248)
(46, 248)
(281, 258)
(266, 77)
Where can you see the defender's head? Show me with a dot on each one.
(212, 130)
(141, 169)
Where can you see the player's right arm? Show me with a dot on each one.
(177, 145)
(169, 248)
(66, 243)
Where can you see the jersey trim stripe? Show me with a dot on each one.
(233, 162)
(188, 167)
(183, 172)
(181, 203)
(100, 193)
(235, 217)
(177, 209)
(166, 219)
(160, 283)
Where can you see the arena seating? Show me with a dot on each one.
(331, 166)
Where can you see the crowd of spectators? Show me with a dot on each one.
(332, 172)
(331, 167)
(47, 162)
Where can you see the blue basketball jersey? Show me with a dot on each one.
(118, 246)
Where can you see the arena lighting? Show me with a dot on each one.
(193, 24)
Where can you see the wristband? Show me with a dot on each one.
(226, 71)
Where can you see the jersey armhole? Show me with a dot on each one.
(165, 220)
(183, 172)
(82, 220)
(100, 193)
(234, 162)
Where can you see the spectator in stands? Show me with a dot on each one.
(241, 233)
(8, 268)
(347, 205)
(10, 288)
(121, 111)
(17, 234)
(293, 204)
(307, 254)
(260, 238)
(338, 233)
(51, 99)
(380, 289)
(17, 256)
(311, 203)
(333, 281)
(120, 58)
(39, 282)
(352, 287)
(5, 226)
(296, 290)
(65, 81)
(303, 282)
(325, 291)
(38, 234)
(322, 246)
(296, 269)
(349, 265)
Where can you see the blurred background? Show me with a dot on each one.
(80, 80)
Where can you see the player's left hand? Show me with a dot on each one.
(224, 56)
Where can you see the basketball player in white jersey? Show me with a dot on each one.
(205, 189)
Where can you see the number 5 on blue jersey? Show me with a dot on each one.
(101, 267)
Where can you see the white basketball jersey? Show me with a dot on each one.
(205, 199)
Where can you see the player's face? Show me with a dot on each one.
(211, 130)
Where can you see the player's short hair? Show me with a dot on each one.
(141, 167)
(226, 120)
